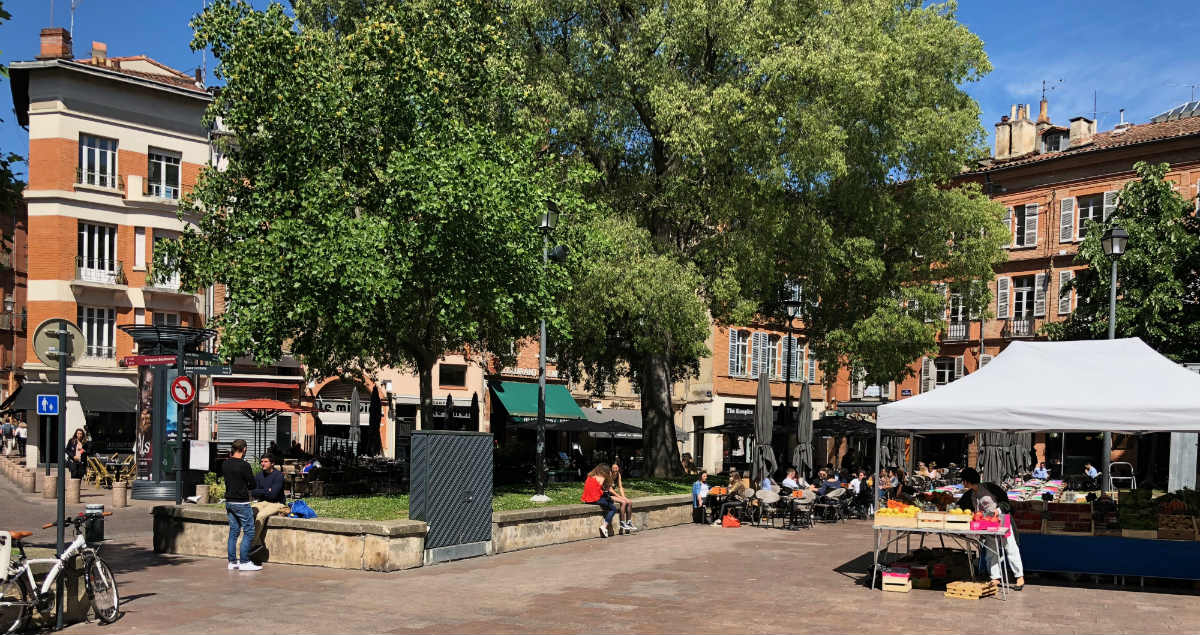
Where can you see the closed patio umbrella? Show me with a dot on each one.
(764, 426)
(355, 417)
(474, 412)
(448, 418)
(802, 456)
(370, 444)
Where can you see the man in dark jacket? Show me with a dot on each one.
(239, 479)
(987, 498)
(268, 497)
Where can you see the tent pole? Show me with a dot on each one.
(875, 503)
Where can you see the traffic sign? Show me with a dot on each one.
(203, 357)
(148, 360)
(47, 405)
(45, 342)
(183, 391)
(209, 370)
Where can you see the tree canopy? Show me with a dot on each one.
(379, 202)
(1158, 281)
(760, 144)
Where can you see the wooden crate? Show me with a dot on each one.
(931, 520)
(1151, 534)
(895, 522)
(1176, 527)
(958, 522)
(1068, 528)
(970, 590)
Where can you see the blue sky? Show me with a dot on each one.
(1139, 56)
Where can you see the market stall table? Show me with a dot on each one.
(985, 540)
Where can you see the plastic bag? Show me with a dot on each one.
(730, 521)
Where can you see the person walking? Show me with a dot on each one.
(76, 452)
(239, 481)
(22, 437)
(7, 437)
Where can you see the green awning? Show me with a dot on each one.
(520, 399)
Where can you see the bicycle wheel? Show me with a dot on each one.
(14, 605)
(102, 586)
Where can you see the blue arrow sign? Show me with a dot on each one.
(47, 404)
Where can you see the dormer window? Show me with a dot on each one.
(1054, 141)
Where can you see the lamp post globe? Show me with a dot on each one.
(1114, 241)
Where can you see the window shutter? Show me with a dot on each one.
(793, 355)
(734, 366)
(1002, 308)
(1066, 220)
(1064, 294)
(928, 375)
(812, 370)
(958, 366)
(1008, 223)
(755, 355)
(984, 359)
(1039, 295)
(974, 288)
(1031, 225)
(1110, 203)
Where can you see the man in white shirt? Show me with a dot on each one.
(857, 482)
(791, 481)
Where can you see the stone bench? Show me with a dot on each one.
(323, 542)
(541, 526)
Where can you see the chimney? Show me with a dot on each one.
(1003, 138)
(1044, 114)
(1023, 139)
(99, 53)
(1082, 131)
(56, 44)
(199, 76)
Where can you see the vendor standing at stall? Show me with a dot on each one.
(986, 498)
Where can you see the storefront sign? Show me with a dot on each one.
(906, 392)
(528, 372)
(148, 360)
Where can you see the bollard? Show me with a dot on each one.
(27, 481)
(50, 486)
(73, 491)
(120, 494)
(202, 494)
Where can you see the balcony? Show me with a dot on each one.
(157, 282)
(957, 332)
(143, 193)
(1020, 327)
(101, 180)
(99, 356)
(100, 273)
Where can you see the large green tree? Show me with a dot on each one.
(10, 185)
(761, 143)
(379, 204)
(1158, 285)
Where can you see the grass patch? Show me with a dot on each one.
(505, 498)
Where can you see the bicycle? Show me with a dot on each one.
(19, 592)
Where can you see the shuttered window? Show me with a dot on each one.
(1008, 225)
(1002, 300)
(928, 374)
(1064, 294)
(1066, 220)
(1023, 297)
(944, 369)
(812, 370)
(739, 341)
(1090, 209)
(1039, 295)
(959, 370)
(1027, 225)
(772, 357)
(757, 353)
(1110, 203)
(792, 353)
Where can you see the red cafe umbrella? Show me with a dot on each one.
(259, 411)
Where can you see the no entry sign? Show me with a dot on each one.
(183, 391)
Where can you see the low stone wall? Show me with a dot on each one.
(322, 542)
(398, 544)
(528, 528)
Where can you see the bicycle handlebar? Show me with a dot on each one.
(75, 520)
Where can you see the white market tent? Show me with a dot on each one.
(1092, 385)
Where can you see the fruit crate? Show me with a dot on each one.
(959, 522)
(895, 522)
(1176, 527)
(931, 520)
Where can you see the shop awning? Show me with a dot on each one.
(520, 399)
(241, 382)
(860, 407)
(107, 398)
(26, 398)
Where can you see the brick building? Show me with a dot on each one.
(14, 273)
(113, 145)
(1053, 180)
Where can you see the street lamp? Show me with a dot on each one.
(792, 304)
(547, 223)
(10, 307)
(1114, 242)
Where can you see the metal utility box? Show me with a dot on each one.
(451, 491)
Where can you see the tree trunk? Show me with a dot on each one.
(425, 373)
(658, 425)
